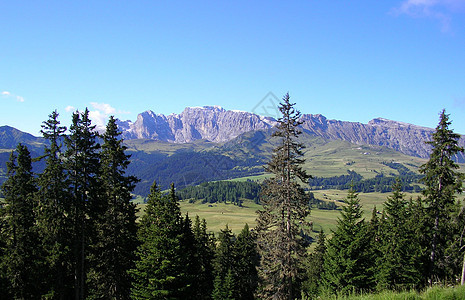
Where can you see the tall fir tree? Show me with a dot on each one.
(285, 210)
(82, 164)
(54, 213)
(400, 260)
(22, 259)
(245, 257)
(159, 272)
(223, 266)
(205, 252)
(189, 259)
(116, 241)
(443, 182)
(347, 261)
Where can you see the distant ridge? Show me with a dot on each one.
(218, 125)
(10, 137)
(212, 123)
(403, 137)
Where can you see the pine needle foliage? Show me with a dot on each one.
(21, 259)
(285, 209)
(112, 253)
(443, 182)
(347, 260)
(399, 265)
(54, 213)
(160, 271)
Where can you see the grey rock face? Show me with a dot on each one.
(216, 124)
(403, 137)
(211, 123)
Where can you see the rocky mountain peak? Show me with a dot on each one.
(216, 124)
(212, 123)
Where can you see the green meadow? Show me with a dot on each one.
(218, 215)
(433, 293)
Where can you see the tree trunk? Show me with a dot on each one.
(463, 271)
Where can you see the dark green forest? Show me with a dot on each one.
(222, 191)
(68, 227)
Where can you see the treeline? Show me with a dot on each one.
(70, 232)
(414, 242)
(380, 183)
(235, 191)
(223, 192)
(179, 260)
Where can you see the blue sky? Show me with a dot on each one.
(348, 60)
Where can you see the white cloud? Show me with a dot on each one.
(106, 108)
(99, 119)
(100, 114)
(8, 95)
(440, 10)
(70, 108)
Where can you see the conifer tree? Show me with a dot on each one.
(418, 225)
(315, 268)
(443, 182)
(54, 213)
(159, 272)
(82, 164)
(205, 253)
(245, 258)
(116, 241)
(4, 280)
(400, 260)
(374, 232)
(189, 258)
(346, 263)
(223, 266)
(22, 256)
(285, 209)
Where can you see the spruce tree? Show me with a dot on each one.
(399, 265)
(116, 241)
(82, 164)
(189, 260)
(285, 209)
(245, 257)
(22, 255)
(4, 280)
(223, 266)
(315, 268)
(443, 182)
(205, 253)
(346, 263)
(159, 272)
(54, 213)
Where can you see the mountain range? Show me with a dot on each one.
(210, 143)
(217, 125)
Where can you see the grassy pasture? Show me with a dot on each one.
(218, 215)
(432, 293)
(334, 158)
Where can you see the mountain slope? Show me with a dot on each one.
(215, 124)
(10, 137)
(403, 137)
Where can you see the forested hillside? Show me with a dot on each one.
(69, 227)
